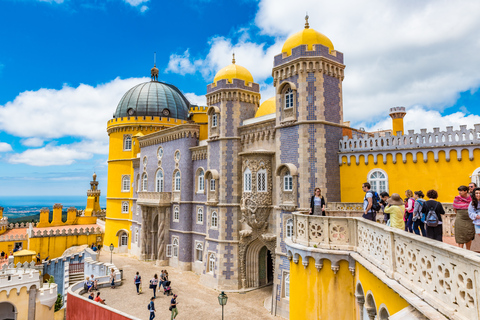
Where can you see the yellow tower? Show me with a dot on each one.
(144, 109)
(93, 198)
(397, 114)
(3, 222)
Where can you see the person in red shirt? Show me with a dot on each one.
(98, 299)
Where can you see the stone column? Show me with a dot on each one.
(360, 303)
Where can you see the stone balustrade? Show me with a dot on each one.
(154, 198)
(443, 276)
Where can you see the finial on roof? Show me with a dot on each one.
(233, 59)
(94, 176)
(306, 22)
(154, 70)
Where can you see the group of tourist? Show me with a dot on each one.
(91, 284)
(159, 282)
(424, 217)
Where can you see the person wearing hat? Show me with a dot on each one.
(173, 307)
(395, 207)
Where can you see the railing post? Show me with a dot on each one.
(326, 222)
(392, 267)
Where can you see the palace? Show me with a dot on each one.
(220, 190)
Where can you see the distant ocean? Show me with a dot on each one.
(22, 206)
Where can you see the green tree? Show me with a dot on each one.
(59, 302)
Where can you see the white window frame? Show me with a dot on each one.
(199, 251)
(286, 285)
(247, 180)
(201, 181)
(125, 207)
(175, 247)
(211, 262)
(262, 180)
(212, 184)
(136, 235)
(214, 219)
(289, 228)
(287, 182)
(124, 239)
(144, 181)
(288, 98)
(160, 153)
(127, 143)
(138, 183)
(200, 215)
(169, 251)
(176, 213)
(178, 180)
(159, 181)
(373, 182)
(126, 183)
(214, 120)
(475, 178)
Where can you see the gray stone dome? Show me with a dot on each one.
(153, 99)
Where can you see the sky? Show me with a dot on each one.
(65, 65)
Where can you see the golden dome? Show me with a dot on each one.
(233, 71)
(267, 107)
(306, 36)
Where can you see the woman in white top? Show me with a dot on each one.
(474, 209)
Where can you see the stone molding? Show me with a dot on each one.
(199, 153)
(154, 199)
(413, 143)
(257, 131)
(447, 274)
(174, 133)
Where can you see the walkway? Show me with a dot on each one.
(194, 300)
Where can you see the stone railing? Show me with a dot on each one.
(443, 276)
(355, 209)
(154, 198)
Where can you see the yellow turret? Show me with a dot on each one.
(233, 71)
(93, 199)
(397, 114)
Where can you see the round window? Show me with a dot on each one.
(160, 153)
(144, 161)
(177, 155)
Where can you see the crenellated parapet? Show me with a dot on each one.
(66, 232)
(19, 237)
(175, 133)
(413, 143)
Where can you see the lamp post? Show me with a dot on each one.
(111, 252)
(222, 299)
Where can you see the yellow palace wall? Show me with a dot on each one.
(443, 176)
(21, 299)
(8, 246)
(54, 246)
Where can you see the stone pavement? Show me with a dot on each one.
(194, 300)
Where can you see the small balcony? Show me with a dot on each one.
(154, 199)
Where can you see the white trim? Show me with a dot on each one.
(377, 180)
(211, 262)
(214, 226)
(259, 181)
(197, 244)
(160, 188)
(125, 185)
(200, 215)
(125, 137)
(475, 178)
(125, 207)
(144, 181)
(289, 223)
(176, 209)
(247, 180)
(175, 247)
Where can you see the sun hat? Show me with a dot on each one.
(395, 200)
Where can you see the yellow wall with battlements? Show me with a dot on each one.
(54, 246)
(20, 301)
(442, 175)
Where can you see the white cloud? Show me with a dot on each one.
(143, 8)
(52, 1)
(194, 99)
(5, 147)
(418, 118)
(181, 64)
(138, 4)
(53, 155)
(32, 142)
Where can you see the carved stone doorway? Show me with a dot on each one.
(258, 265)
(265, 268)
(8, 311)
(155, 233)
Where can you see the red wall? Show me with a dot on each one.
(80, 309)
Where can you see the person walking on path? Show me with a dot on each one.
(410, 203)
(418, 220)
(112, 278)
(317, 203)
(368, 212)
(153, 285)
(137, 280)
(474, 209)
(151, 307)
(173, 307)
(434, 232)
(163, 280)
(395, 208)
(464, 228)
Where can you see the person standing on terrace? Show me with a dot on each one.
(418, 218)
(410, 204)
(395, 208)
(368, 203)
(434, 232)
(464, 228)
(317, 203)
(474, 209)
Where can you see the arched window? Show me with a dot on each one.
(144, 182)
(126, 183)
(289, 228)
(287, 182)
(127, 143)
(136, 235)
(247, 180)
(262, 180)
(125, 206)
(287, 285)
(476, 177)
(124, 239)
(211, 262)
(176, 213)
(159, 181)
(175, 247)
(201, 181)
(288, 98)
(177, 181)
(199, 251)
(214, 219)
(200, 215)
(378, 179)
(214, 120)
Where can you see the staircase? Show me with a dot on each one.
(76, 277)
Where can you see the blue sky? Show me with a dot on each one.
(64, 65)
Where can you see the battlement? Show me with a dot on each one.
(143, 120)
(18, 237)
(198, 109)
(319, 50)
(66, 232)
(47, 294)
(18, 277)
(235, 84)
(397, 109)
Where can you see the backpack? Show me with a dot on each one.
(432, 219)
(137, 279)
(375, 201)
(148, 307)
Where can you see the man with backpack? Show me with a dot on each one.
(433, 211)
(138, 281)
(370, 203)
(151, 308)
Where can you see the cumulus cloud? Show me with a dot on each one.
(138, 4)
(32, 142)
(419, 118)
(194, 99)
(181, 64)
(5, 147)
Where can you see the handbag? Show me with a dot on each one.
(151, 286)
(140, 289)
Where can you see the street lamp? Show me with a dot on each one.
(222, 299)
(111, 251)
